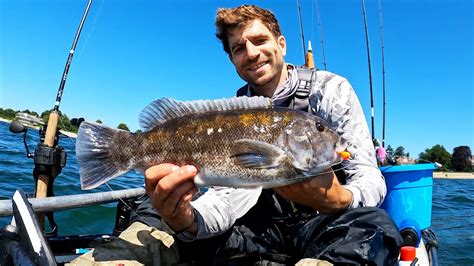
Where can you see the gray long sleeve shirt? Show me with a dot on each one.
(333, 99)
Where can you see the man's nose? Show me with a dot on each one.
(252, 50)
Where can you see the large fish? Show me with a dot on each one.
(235, 142)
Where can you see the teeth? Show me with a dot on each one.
(257, 66)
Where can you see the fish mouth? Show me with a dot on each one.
(341, 145)
(257, 66)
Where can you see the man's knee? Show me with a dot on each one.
(139, 243)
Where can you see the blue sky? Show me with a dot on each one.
(132, 52)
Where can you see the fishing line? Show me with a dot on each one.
(93, 27)
(124, 203)
(301, 28)
(70, 139)
(312, 21)
(370, 69)
(383, 74)
(321, 36)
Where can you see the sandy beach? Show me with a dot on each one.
(453, 175)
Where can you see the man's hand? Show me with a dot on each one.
(323, 193)
(171, 189)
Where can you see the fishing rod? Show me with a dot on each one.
(301, 27)
(51, 135)
(383, 74)
(370, 69)
(320, 25)
(308, 56)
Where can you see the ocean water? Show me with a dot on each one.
(452, 215)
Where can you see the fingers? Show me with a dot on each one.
(155, 173)
(169, 202)
(184, 202)
(169, 187)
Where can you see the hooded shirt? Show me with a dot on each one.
(333, 99)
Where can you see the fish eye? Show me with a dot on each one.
(319, 126)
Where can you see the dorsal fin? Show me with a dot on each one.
(162, 110)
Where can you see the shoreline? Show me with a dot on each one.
(67, 133)
(441, 175)
(453, 175)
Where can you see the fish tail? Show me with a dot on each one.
(101, 154)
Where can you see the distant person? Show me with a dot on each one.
(332, 217)
(380, 153)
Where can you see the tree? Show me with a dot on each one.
(138, 131)
(64, 123)
(123, 126)
(98, 121)
(76, 122)
(8, 113)
(400, 151)
(389, 150)
(461, 159)
(436, 154)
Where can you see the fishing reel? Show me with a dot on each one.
(17, 127)
(44, 155)
(48, 161)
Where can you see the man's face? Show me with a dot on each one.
(257, 55)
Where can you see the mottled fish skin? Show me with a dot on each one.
(266, 147)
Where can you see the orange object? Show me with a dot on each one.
(309, 60)
(407, 253)
(345, 155)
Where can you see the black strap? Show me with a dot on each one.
(300, 99)
(306, 79)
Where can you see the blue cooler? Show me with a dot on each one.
(409, 194)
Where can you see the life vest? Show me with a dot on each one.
(300, 99)
(271, 205)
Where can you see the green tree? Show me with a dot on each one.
(98, 121)
(400, 151)
(436, 154)
(30, 112)
(45, 115)
(64, 122)
(123, 126)
(8, 113)
(389, 150)
(461, 159)
(138, 131)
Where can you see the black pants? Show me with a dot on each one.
(362, 236)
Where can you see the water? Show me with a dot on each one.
(16, 172)
(452, 217)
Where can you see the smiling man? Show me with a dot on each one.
(332, 217)
(258, 56)
(310, 219)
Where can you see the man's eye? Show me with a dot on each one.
(260, 41)
(237, 50)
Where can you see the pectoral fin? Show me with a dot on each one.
(257, 154)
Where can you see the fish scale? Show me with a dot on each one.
(237, 147)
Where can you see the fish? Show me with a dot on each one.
(239, 142)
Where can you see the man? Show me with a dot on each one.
(325, 217)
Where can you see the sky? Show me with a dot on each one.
(133, 52)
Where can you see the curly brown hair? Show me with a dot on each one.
(230, 18)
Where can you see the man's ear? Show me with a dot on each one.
(282, 43)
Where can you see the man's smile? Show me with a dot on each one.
(257, 66)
